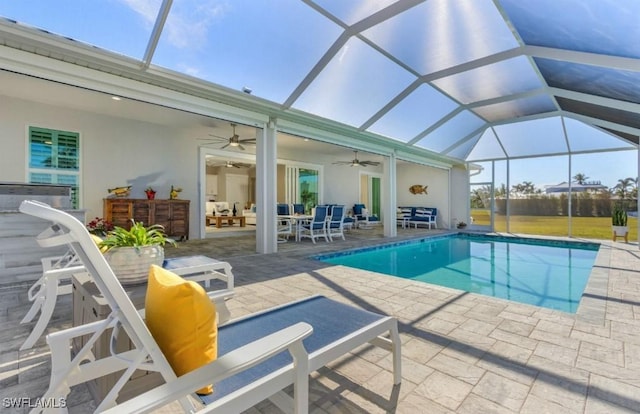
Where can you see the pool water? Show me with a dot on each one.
(550, 274)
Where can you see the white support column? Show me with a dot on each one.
(266, 189)
(389, 195)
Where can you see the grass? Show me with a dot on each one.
(586, 227)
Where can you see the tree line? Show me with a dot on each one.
(526, 199)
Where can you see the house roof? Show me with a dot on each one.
(467, 80)
(575, 187)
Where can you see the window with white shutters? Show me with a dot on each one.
(54, 158)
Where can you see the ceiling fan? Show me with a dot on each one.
(230, 164)
(233, 141)
(355, 162)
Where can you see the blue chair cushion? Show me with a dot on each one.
(283, 209)
(331, 321)
(407, 211)
(357, 209)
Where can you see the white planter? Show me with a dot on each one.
(620, 230)
(131, 264)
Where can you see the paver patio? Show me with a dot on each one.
(462, 352)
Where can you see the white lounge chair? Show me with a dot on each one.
(251, 364)
(57, 272)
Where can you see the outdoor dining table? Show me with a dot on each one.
(298, 220)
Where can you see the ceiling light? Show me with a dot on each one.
(116, 98)
(234, 144)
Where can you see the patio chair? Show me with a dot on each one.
(251, 365)
(298, 208)
(363, 217)
(335, 224)
(317, 226)
(46, 289)
(283, 209)
(57, 272)
(284, 229)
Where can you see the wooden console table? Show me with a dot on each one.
(229, 219)
(173, 215)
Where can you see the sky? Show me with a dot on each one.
(250, 43)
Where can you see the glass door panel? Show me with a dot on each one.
(308, 188)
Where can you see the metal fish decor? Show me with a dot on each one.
(120, 191)
(418, 189)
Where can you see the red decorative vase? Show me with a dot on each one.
(150, 195)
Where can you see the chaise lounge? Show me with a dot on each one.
(258, 355)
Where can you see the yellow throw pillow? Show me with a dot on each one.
(98, 241)
(182, 320)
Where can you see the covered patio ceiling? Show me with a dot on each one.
(466, 80)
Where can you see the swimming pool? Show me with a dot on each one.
(550, 274)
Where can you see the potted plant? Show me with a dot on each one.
(461, 225)
(131, 252)
(619, 223)
(150, 192)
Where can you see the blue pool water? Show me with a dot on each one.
(550, 274)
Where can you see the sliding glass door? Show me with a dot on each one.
(303, 186)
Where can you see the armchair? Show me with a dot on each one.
(250, 214)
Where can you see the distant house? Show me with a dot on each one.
(563, 187)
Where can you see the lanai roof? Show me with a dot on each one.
(466, 79)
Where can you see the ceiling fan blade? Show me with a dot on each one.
(365, 163)
(241, 147)
(219, 137)
(225, 146)
(247, 141)
(211, 139)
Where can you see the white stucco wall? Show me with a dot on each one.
(114, 152)
(437, 180)
(118, 151)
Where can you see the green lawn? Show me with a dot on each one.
(587, 227)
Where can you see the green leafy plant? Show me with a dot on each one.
(618, 216)
(138, 235)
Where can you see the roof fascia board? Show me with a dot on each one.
(70, 74)
(594, 59)
(40, 42)
(403, 156)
